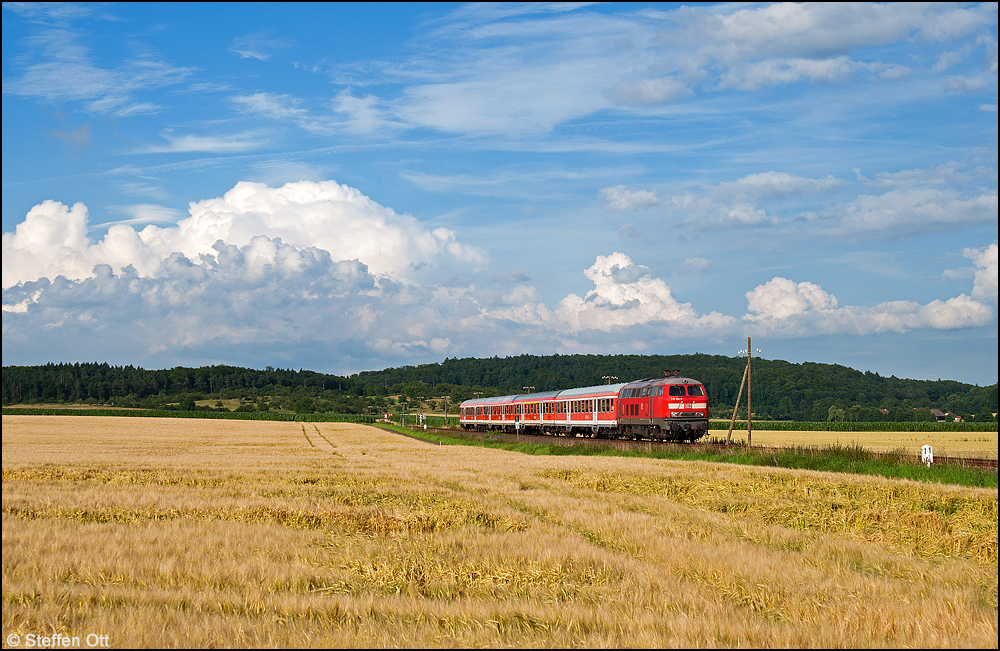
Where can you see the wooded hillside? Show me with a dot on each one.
(781, 390)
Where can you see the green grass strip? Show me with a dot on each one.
(834, 458)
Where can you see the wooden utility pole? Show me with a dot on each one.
(746, 380)
(739, 396)
(749, 393)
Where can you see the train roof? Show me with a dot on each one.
(545, 395)
(582, 391)
(537, 396)
(657, 381)
(586, 391)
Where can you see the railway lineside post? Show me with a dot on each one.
(747, 374)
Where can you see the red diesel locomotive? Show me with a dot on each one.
(668, 409)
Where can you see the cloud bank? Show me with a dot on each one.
(53, 239)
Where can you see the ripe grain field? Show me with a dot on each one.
(170, 532)
(959, 444)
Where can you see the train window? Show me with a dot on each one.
(659, 390)
(677, 389)
(696, 391)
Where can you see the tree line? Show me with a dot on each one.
(781, 390)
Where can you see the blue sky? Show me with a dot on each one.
(345, 187)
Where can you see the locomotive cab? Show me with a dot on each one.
(671, 408)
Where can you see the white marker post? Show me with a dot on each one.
(927, 455)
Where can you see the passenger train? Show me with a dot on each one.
(670, 408)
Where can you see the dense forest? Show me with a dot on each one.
(781, 390)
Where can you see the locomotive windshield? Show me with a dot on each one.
(692, 390)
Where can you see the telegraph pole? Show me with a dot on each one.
(747, 379)
(749, 393)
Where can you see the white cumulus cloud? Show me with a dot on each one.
(783, 307)
(626, 294)
(621, 198)
(335, 218)
(780, 298)
(985, 283)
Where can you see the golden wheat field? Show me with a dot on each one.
(177, 532)
(958, 444)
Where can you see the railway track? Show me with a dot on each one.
(646, 446)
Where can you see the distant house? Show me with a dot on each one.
(941, 415)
